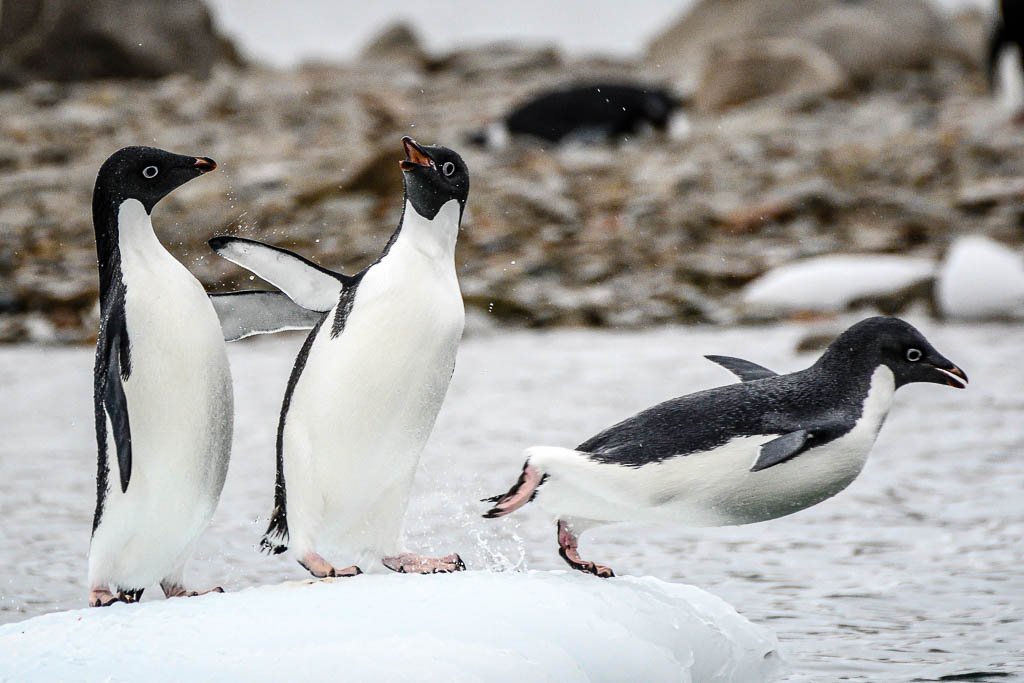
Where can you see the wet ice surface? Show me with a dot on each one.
(913, 573)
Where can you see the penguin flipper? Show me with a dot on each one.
(781, 449)
(744, 369)
(113, 353)
(309, 285)
(247, 313)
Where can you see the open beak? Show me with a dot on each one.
(954, 376)
(415, 156)
(205, 164)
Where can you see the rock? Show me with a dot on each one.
(864, 38)
(506, 58)
(981, 279)
(737, 73)
(396, 46)
(984, 195)
(65, 40)
(684, 47)
(816, 196)
(834, 283)
(870, 37)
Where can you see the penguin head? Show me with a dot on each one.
(433, 176)
(897, 345)
(147, 174)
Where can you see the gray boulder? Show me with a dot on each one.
(67, 40)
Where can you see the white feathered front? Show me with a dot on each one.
(180, 407)
(366, 401)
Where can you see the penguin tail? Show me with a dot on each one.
(524, 491)
(275, 540)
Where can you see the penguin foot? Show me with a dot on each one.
(322, 569)
(411, 563)
(102, 597)
(568, 548)
(176, 590)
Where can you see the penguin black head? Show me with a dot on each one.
(897, 345)
(146, 174)
(433, 177)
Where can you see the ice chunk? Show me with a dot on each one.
(473, 626)
(981, 279)
(831, 283)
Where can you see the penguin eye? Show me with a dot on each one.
(913, 355)
(448, 168)
(150, 172)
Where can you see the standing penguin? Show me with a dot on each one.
(162, 388)
(370, 379)
(737, 454)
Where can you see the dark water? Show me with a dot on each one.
(913, 573)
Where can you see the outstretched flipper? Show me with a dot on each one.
(311, 286)
(244, 314)
(744, 369)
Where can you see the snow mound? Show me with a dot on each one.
(981, 279)
(472, 626)
(832, 283)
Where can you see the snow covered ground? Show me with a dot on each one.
(474, 626)
(911, 573)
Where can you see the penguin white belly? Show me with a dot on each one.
(716, 487)
(180, 408)
(1010, 79)
(365, 404)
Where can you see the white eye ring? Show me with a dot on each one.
(150, 172)
(913, 355)
(448, 168)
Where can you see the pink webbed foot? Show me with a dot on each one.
(176, 590)
(569, 550)
(524, 490)
(411, 563)
(102, 597)
(322, 569)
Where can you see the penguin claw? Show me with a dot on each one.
(101, 597)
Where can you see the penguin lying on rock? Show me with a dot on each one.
(370, 379)
(595, 113)
(162, 388)
(738, 454)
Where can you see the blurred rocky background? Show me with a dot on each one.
(813, 128)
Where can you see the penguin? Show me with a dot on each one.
(595, 113)
(162, 388)
(369, 380)
(1005, 59)
(737, 454)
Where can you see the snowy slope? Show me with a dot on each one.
(475, 626)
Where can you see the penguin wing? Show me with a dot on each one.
(744, 369)
(244, 314)
(311, 286)
(112, 369)
(796, 442)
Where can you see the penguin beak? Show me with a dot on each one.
(205, 164)
(415, 156)
(952, 376)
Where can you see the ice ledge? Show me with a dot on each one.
(473, 626)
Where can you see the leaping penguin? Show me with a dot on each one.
(370, 379)
(738, 454)
(162, 389)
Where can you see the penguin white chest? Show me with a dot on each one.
(369, 393)
(180, 408)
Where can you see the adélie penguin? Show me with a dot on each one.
(1005, 59)
(369, 381)
(737, 454)
(162, 389)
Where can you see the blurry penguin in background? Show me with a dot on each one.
(591, 113)
(1005, 63)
